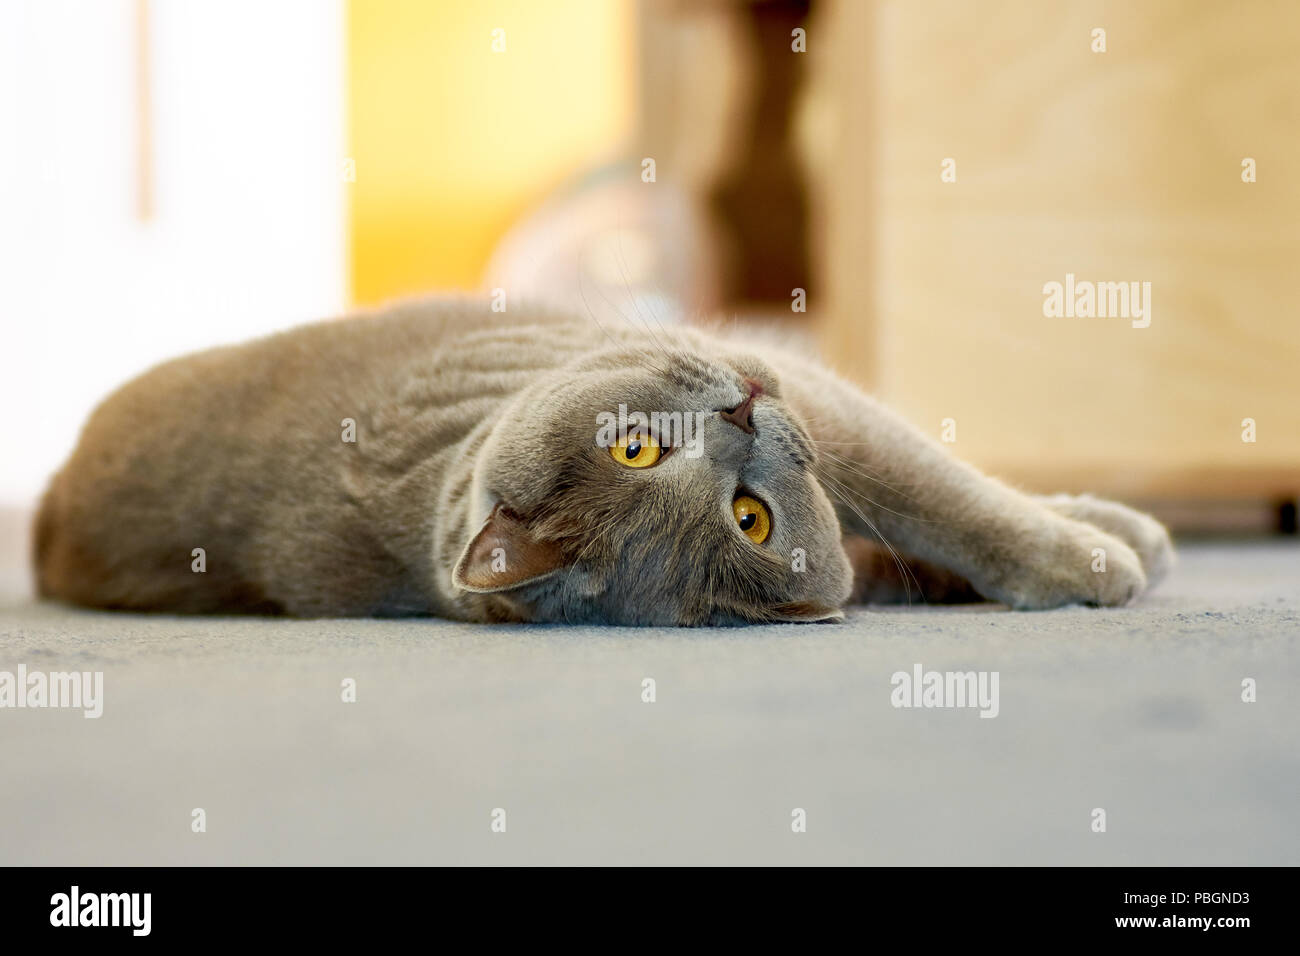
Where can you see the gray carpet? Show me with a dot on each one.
(1137, 711)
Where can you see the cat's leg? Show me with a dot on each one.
(890, 480)
(1141, 532)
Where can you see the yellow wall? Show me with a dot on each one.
(452, 141)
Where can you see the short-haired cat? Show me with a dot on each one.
(438, 458)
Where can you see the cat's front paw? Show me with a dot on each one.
(1082, 565)
(1141, 532)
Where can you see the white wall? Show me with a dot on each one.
(248, 231)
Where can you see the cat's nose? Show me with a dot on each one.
(742, 415)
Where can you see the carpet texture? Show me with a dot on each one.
(1137, 711)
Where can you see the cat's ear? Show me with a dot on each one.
(506, 554)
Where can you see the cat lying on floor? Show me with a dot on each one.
(437, 458)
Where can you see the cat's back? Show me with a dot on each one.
(338, 361)
(406, 331)
(208, 448)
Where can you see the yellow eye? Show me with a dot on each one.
(637, 451)
(752, 518)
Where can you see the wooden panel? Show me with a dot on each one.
(1115, 166)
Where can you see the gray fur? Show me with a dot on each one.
(479, 427)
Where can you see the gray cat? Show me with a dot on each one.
(437, 458)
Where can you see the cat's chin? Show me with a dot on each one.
(807, 613)
(532, 605)
(799, 612)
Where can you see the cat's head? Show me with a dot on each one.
(645, 485)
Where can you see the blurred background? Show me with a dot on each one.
(898, 180)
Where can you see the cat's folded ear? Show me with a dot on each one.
(506, 554)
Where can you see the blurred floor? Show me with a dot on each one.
(1135, 710)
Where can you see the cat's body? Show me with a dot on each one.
(477, 485)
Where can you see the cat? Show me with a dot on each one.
(438, 458)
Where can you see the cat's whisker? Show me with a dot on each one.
(876, 504)
(591, 313)
(899, 560)
(898, 563)
(903, 569)
(822, 442)
(626, 318)
(622, 268)
(856, 469)
(857, 466)
(850, 471)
